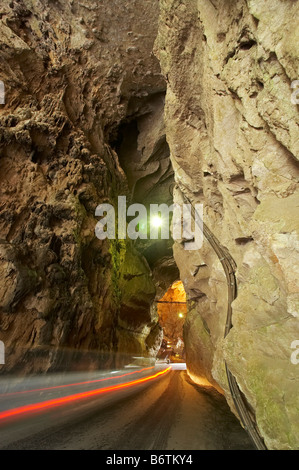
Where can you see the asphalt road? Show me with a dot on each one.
(119, 410)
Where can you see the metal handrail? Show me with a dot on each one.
(229, 267)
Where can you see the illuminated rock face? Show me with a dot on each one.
(172, 311)
(233, 135)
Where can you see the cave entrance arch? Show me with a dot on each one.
(172, 312)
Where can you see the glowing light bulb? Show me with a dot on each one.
(181, 315)
(156, 221)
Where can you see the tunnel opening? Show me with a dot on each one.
(148, 267)
(172, 312)
(144, 155)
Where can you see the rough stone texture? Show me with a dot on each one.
(73, 72)
(233, 137)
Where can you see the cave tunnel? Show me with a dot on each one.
(160, 102)
(143, 153)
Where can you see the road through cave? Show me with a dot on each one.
(173, 413)
(149, 225)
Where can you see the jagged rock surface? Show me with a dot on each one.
(73, 71)
(233, 136)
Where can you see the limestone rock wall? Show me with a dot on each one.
(72, 72)
(233, 136)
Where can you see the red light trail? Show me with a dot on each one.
(78, 383)
(78, 396)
